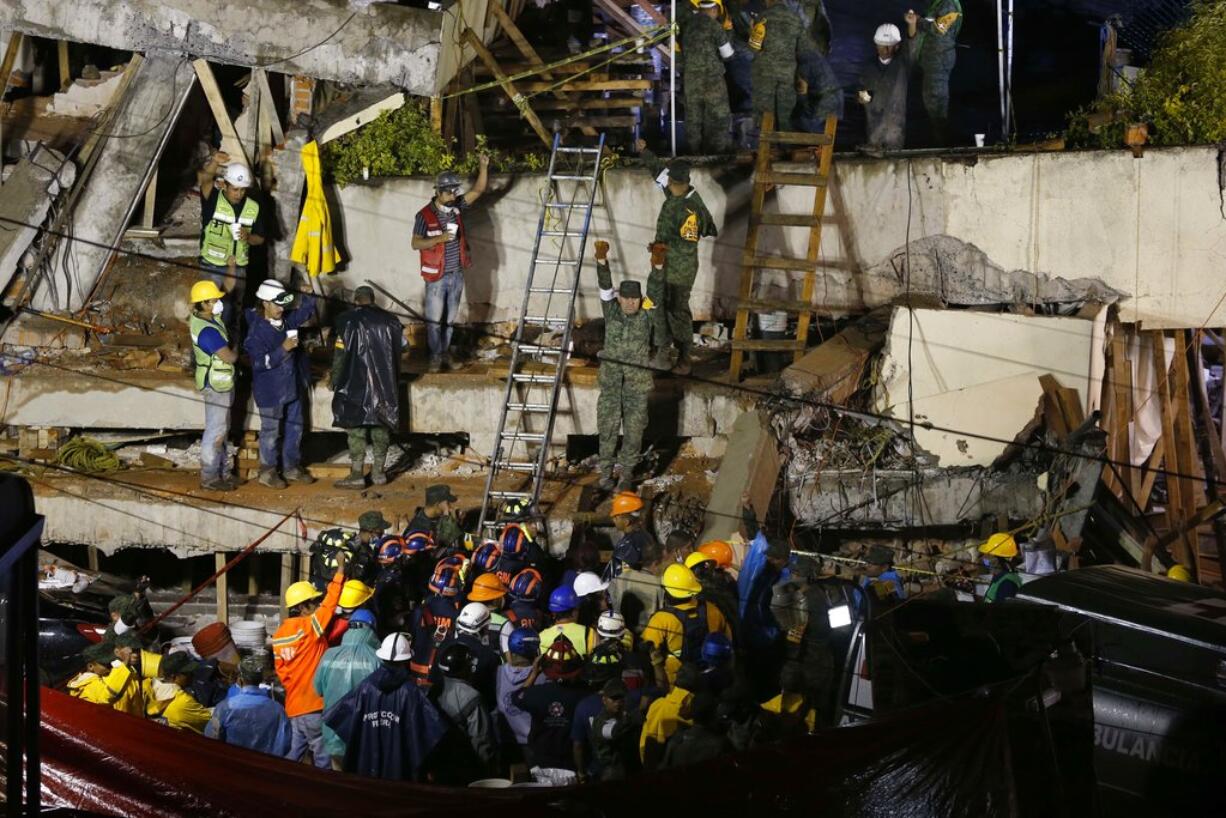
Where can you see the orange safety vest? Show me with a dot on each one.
(433, 259)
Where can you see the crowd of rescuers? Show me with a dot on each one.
(424, 656)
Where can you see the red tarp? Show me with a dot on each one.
(947, 759)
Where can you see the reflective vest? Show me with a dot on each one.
(218, 243)
(997, 582)
(210, 370)
(576, 633)
(434, 259)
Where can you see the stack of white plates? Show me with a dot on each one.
(249, 634)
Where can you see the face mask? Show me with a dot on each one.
(218, 308)
(987, 563)
(278, 322)
(885, 60)
(164, 691)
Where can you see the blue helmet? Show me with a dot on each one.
(716, 649)
(514, 541)
(563, 599)
(362, 615)
(486, 557)
(524, 642)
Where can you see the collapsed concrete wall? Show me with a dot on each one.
(1062, 227)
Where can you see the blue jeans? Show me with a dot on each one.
(213, 461)
(281, 424)
(442, 306)
(234, 285)
(306, 731)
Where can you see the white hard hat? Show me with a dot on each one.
(237, 175)
(270, 290)
(474, 618)
(396, 647)
(887, 34)
(611, 625)
(588, 583)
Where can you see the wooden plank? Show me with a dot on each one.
(268, 110)
(1185, 436)
(761, 345)
(587, 104)
(1151, 476)
(798, 138)
(611, 9)
(589, 85)
(787, 219)
(151, 194)
(508, 87)
(766, 304)
(436, 112)
(65, 67)
(740, 330)
(778, 263)
(815, 233)
(1175, 511)
(287, 579)
(657, 17)
(799, 179)
(223, 585)
(230, 141)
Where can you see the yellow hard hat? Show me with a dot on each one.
(299, 593)
(354, 593)
(205, 291)
(680, 582)
(1000, 545)
(698, 558)
(1178, 573)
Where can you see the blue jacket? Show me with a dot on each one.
(251, 718)
(388, 725)
(278, 377)
(755, 586)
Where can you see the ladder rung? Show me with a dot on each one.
(810, 179)
(768, 346)
(561, 234)
(511, 495)
(572, 178)
(528, 408)
(529, 437)
(779, 263)
(796, 138)
(579, 150)
(540, 350)
(548, 291)
(565, 205)
(787, 219)
(548, 321)
(529, 377)
(515, 465)
(766, 305)
(561, 262)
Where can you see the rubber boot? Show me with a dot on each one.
(378, 474)
(299, 475)
(684, 366)
(270, 478)
(355, 480)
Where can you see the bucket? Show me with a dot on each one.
(491, 784)
(250, 634)
(214, 641)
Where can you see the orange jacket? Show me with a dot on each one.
(297, 647)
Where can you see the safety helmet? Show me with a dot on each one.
(354, 594)
(887, 34)
(563, 599)
(454, 658)
(486, 588)
(526, 584)
(271, 290)
(205, 291)
(474, 618)
(1179, 573)
(698, 558)
(716, 649)
(362, 616)
(718, 550)
(605, 658)
(396, 647)
(1000, 545)
(561, 660)
(680, 582)
(517, 510)
(391, 547)
(300, 592)
(486, 557)
(445, 581)
(611, 625)
(514, 541)
(237, 175)
(447, 180)
(416, 541)
(626, 502)
(524, 642)
(587, 583)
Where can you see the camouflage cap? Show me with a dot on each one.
(101, 653)
(630, 289)
(373, 521)
(252, 667)
(128, 640)
(176, 663)
(678, 171)
(122, 605)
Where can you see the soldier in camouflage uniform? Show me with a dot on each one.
(625, 371)
(683, 220)
(934, 49)
(820, 94)
(704, 47)
(780, 39)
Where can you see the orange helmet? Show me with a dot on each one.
(626, 502)
(487, 587)
(719, 551)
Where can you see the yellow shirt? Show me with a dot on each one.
(663, 718)
(790, 704)
(89, 687)
(120, 690)
(176, 706)
(666, 630)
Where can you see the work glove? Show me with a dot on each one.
(602, 250)
(659, 251)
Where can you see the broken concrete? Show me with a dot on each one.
(750, 467)
(29, 191)
(84, 97)
(140, 129)
(831, 372)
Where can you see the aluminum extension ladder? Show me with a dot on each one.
(537, 370)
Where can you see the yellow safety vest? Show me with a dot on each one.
(210, 369)
(218, 243)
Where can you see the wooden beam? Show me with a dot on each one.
(1176, 514)
(6, 71)
(589, 104)
(287, 579)
(268, 110)
(65, 70)
(590, 85)
(151, 194)
(223, 586)
(436, 114)
(611, 9)
(652, 12)
(508, 87)
(230, 141)
(1189, 460)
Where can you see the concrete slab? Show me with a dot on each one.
(29, 191)
(750, 466)
(832, 371)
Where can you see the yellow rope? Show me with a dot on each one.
(87, 455)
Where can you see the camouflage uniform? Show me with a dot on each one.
(824, 96)
(683, 220)
(774, 67)
(707, 113)
(816, 22)
(625, 378)
(935, 52)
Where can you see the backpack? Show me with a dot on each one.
(694, 627)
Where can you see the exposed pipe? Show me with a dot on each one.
(1000, 69)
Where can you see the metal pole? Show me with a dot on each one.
(13, 689)
(1000, 69)
(672, 77)
(27, 574)
(1009, 124)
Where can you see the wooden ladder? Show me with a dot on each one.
(764, 178)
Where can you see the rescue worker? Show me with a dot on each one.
(683, 622)
(471, 630)
(717, 661)
(704, 48)
(167, 700)
(359, 549)
(437, 518)
(683, 221)
(999, 554)
(593, 601)
(343, 668)
(251, 717)
(365, 383)
(711, 564)
(107, 682)
(779, 37)
(626, 511)
(145, 664)
(613, 735)
(763, 640)
(635, 592)
(438, 233)
(214, 360)
(935, 52)
(231, 224)
(523, 646)
(523, 610)
(298, 646)
(879, 578)
(883, 89)
(666, 715)
(551, 707)
(517, 542)
(458, 699)
(816, 22)
(434, 620)
(625, 372)
(564, 608)
(489, 591)
(790, 713)
(389, 726)
(702, 741)
(280, 380)
(818, 93)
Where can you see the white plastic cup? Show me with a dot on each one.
(979, 138)
(291, 333)
(235, 227)
(454, 229)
